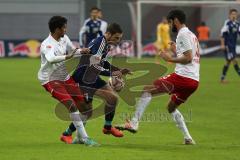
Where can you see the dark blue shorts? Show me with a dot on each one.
(89, 89)
(230, 53)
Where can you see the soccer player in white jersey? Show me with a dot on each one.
(180, 84)
(53, 75)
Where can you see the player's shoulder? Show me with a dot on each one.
(47, 41)
(100, 39)
(184, 34)
(227, 22)
(103, 22)
(65, 37)
(87, 21)
(97, 41)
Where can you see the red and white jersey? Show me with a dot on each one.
(53, 54)
(186, 40)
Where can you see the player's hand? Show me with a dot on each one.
(172, 46)
(125, 71)
(85, 51)
(223, 47)
(117, 73)
(71, 54)
(94, 59)
(166, 56)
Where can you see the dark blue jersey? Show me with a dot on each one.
(88, 70)
(91, 29)
(230, 32)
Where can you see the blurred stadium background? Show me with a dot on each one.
(30, 130)
(24, 22)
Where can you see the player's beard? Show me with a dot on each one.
(174, 28)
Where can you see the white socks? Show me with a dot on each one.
(81, 132)
(178, 118)
(141, 106)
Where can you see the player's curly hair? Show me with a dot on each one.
(179, 14)
(114, 28)
(56, 22)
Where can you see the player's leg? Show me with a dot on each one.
(228, 57)
(161, 86)
(111, 99)
(86, 111)
(77, 95)
(235, 63)
(179, 119)
(184, 87)
(60, 92)
(236, 66)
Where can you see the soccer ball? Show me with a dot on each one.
(116, 83)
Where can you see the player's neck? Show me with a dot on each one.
(181, 26)
(55, 36)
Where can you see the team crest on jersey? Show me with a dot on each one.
(49, 46)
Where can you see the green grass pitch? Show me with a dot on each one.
(30, 130)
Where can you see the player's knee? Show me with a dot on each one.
(71, 106)
(171, 107)
(112, 99)
(88, 111)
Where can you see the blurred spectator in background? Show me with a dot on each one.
(229, 35)
(203, 32)
(91, 28)
(163, 37)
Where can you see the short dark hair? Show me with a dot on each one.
(232, 10)
(179, 14)
(94, 8)
(114, 28)
(56, 22)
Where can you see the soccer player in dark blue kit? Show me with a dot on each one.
(229, 33)
(87, 75)
(91, 28)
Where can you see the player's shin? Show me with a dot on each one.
(71, 128)
(178, 118)
(78, 123)
(141, 106)
(109, 115)
(236, 67)
(224, 72)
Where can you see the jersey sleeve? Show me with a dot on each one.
(70, 45)
(48, 51)
(82, 31)
(184, 43)
(97, 46)
(103, 26)
(224, 29)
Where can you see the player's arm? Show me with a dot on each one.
(82, 32)
(224, 32)
(77, 51)
(184, 59)
(103, 26)
(110, 69)
(51, 57)
(184, 47)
